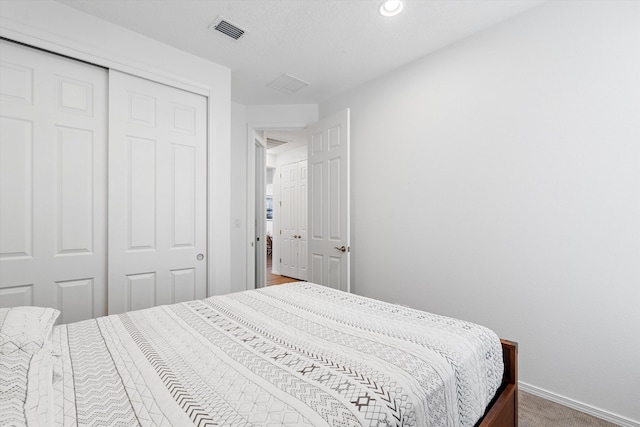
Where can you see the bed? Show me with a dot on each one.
(291, 355)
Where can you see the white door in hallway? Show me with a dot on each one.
(329, 186)
(293, 253)
(157, 194)
(52, 182)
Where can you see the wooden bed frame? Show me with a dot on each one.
(503, 409)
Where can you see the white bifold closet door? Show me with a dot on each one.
(52, 182)
(157, 194)
(67, 243)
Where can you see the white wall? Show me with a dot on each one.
(289, 113)
(260, 116)
(271, 160)
(238, 197)
(53, 26)
(498, 180)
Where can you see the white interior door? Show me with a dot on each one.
(256, 212)
(293, 184)
(260, 214)
(157, 194)
(329, 240)
(52, 183)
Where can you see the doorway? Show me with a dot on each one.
(268, 145)
(324, 147)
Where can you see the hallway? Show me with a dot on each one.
(274, 279)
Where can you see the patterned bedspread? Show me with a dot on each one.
(289, 355)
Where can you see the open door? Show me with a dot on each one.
(329, 210)
(261, 210)
(256, 212)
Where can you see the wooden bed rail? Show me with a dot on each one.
(503, 410)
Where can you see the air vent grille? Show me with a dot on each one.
(227, 28)
(273, 143)
(287, 84)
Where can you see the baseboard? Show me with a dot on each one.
(578, 406)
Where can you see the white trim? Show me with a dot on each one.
(578, 406)
(19, 32)
(250, 203)
(257, 228)
(42, 39)
(211, 206)
(251, 182)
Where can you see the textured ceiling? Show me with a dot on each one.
(334, 45)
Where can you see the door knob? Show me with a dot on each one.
(200, 257)
(341, 248)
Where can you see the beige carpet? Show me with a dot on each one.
(534, 411)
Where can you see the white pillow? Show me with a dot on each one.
(26, 329)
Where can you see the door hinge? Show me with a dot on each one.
(280, 260)
(280, 231)
(280, 203)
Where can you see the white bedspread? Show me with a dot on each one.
(292, 355)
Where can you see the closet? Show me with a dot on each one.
(102, 187)
(293, 223)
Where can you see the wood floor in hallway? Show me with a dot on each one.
(274, 279)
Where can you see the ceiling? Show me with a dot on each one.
(334, 45)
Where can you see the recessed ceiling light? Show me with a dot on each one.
(391, 8)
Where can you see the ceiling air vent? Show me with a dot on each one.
(224, 26)
(287, 84)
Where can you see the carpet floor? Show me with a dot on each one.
(534, 411)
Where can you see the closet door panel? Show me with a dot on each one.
(16, 296)
(141, 197)
(74, 300)
(16, 188)
(183, 197)
(17, 79)
(74, 198)
(52, 182)
(157, 194)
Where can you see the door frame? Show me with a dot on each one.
(258, 228)
(252, 183)
(97, 55)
